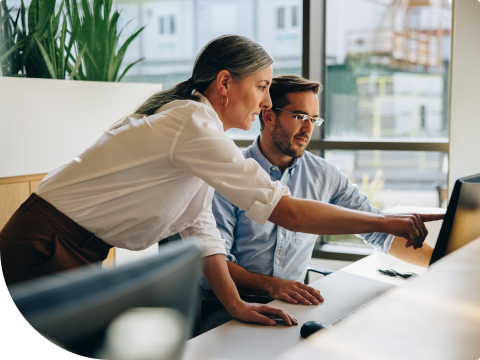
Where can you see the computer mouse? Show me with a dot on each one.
(310, 327)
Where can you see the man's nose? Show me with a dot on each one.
(307, 126)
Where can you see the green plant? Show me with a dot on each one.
(42, 43)
(9, 50)
(96, 33)
(48, 53)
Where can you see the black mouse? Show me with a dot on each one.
(310, 327)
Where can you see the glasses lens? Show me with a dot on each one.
(317, 121)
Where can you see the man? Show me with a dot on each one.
(268, 259)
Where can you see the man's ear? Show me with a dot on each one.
(268, 117)
(223, 82)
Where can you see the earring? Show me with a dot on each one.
(226, 103)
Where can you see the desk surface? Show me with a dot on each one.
(235, 340)
(435, 316)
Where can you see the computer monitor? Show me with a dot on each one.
(75, 311)
(462, 219)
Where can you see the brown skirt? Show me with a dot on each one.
(39, 240)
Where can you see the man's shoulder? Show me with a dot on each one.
(317, 161)
(247, 153)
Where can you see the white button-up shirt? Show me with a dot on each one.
(155, 176)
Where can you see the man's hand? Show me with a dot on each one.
(258, 313)
(294, 292)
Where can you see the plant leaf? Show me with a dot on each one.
(46, 59)
(123, 50)
(51, 45)
(9, 51)
(128, 68)
(33, 11)
(73, 70)
(61, 51)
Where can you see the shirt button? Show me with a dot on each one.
(281, 236)
(277, 261)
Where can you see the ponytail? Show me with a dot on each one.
(181, 91)
(239, 55)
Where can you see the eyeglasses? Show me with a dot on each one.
(317, 121)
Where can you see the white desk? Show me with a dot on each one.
(236, 341)
(435, 316)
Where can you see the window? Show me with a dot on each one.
(281, 18)
(172, 24)
(162, 21)
(162, 25)
(386, 100)
(294, 16)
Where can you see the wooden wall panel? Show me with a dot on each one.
(34, 185)
(11, 197)
(15, 190)
(109, 262)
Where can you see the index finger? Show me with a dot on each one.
(431, 217)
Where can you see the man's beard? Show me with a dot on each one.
(282, 141)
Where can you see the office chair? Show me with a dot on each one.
(318, 270)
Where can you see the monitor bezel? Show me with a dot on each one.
(443, 237)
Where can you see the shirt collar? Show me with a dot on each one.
(203, 99)
(264, 163)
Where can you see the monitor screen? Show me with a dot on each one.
(462, 219)
(75, 310)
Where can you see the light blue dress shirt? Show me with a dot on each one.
(273, 250)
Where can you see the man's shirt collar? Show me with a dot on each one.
(265, 164)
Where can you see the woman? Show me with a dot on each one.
(154, 173)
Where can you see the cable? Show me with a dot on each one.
(393, 273)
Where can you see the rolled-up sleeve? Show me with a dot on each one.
(204, 150)
(348, 195)
(205, 230)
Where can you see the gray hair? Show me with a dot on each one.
(239, 55)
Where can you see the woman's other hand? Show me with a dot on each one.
(258, 313)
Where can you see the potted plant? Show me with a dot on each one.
(39, 116)
(68, 44)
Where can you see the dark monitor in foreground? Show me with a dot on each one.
(75, 311)
(462, 219)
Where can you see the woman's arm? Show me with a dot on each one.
(215, 270)
(315, 217)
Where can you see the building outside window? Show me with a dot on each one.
(386, 68)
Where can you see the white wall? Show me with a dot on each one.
(465, 91)
(45, 123)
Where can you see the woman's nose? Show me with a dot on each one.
(266, 102)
